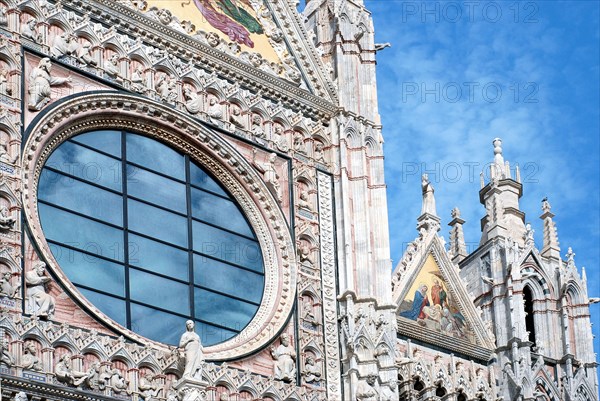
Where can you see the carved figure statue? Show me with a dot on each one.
(39, 300)
(3, 15)
(112, 68)
(84, 55)
(148, 388)
(4, 156)
(4, 88)
(194, 357)
(298, 142)
(137, 80)
(308, 311)
(285, 360)
(96, 378)
(213, 39)
(303, 200)
(116, 381)
(319, 152)
(40, 83)
(312, 373)
(5, 357)
(172, 395)
(269, 172)
(214, 110)
(304, 253)
(7, 222)
(62, 45)
(279, 139)
(428, 198)
(365, 390)
(29, 360)
(65, 374)
(166, 88)
(29, 31)
(236, 118)
(193, 103)
(20, 396)
(6, 288)
(257, 128)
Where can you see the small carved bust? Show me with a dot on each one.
(285, 360)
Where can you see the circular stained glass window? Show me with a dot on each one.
(148, 237)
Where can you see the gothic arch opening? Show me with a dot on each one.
(529, 318)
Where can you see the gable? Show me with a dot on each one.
(434, 306)
(429, 302)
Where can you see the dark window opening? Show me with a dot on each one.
(529, 318)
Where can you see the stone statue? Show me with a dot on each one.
(298, 143)
(148, 388)
(4, 88)
(304, 253)
(112, 68)
(20, 396)
(428, 198)
(193, 103)
(7, 222)
(285, 360)
(29, 360)
(65, 374)
(63, 45)
(40, 302)
(116, 381)
(269, 172)
(303, 201)
(40, 83)
(137, 80)
(214, 110)
(309, 316)
(96, 378)
(3, 15)
(6, 288)
(257, 128)
(29, 31)
(312, 373)
(236, 119)
(5, 357)
(84, 55)
(4, 156)
(319, 152)
(194, 357)
(166, 88)
(279, 139)
(365, 390)
(529, 235)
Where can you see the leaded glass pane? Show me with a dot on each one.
(222, 310)
(159, 258)
(155, 156)
(218, 211)
(157, 223)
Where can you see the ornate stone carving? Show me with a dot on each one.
(5, 356)
(3, 15)
(83, 54)
(298, 143)
(312, 373)
(40, 303)
(116, 381)
(193, 102)
(148, 387)
(7, 222)
(7, 289)
(305, 255)
(65, 373)
(365, 390)
(111, 68)
(30, 360)
(166, 88)
(29, 31)
(279, 138)
(40, 83)
(285, 360)
(20, 396)
(5, 89)
(269, 172)
(236, 118)
(194, 357)
(138, 80)
(319, 152)
(304, 200)
(428, 197)
(64, 45)
(214, 111)
(257, 127)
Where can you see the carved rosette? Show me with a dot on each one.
(110, 110)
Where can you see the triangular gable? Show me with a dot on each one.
(267, 35)
(433, 303)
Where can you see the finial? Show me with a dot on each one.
(546, 205)
(498, 159)
(570, 258)
(455, 213)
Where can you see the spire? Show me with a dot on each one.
(500, 196)
(428, 218)
(551, 248)
(458, 248)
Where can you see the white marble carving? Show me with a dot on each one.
(285, 360)
(269, 172)
(40, 84)
(40, 303)
(194, 357)
(66, 374)
(30, 360)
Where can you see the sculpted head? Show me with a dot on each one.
(189, 325)
(40, 268)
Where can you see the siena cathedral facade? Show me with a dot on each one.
(193, 207)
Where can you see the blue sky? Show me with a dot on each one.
(527, 73)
